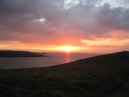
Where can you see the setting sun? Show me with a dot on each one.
(68, 48)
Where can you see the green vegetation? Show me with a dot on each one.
(99, 76)
(8, 53)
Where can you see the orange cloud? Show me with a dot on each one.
(105, 42)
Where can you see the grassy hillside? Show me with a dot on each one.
(99, 76)
(9, 53)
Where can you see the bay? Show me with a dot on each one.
(31, 62)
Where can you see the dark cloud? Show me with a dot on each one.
(113, 18)
(85, 20)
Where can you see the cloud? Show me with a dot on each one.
(115, 3)
(83, 21)
(105, 42)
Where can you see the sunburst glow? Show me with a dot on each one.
(68, 49)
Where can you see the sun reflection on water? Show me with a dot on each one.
(68, 57)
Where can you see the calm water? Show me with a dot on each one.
(29, 62)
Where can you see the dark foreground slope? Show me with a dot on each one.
(9, 53)
(100, 76)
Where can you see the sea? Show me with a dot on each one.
(36, 62)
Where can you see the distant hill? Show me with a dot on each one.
(9, 53)
(99, 76)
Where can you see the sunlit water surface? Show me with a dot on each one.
(53, 59)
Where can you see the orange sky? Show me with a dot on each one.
(98, 45)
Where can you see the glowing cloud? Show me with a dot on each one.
(40, 20)
(102, 42)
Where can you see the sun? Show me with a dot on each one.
(68, 49)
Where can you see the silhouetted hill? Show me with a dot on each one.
(9, 53)
(99, 76)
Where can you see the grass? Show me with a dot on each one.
(92, 77)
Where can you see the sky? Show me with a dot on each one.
(100, 26)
